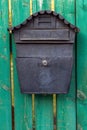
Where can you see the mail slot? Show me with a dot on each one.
(44, 46)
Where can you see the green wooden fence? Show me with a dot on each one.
(42, 112)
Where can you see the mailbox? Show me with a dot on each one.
(44, 45)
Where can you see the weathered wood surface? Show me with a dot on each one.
(5, 90)
(81, 20)
(22, 103)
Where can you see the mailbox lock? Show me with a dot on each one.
(44, 62)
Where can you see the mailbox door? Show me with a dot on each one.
(44, 68)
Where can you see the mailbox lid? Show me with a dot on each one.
(34, 77)
(45, 25)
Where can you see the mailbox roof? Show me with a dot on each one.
(60, 17)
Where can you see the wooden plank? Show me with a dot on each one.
(5, 90)
(43, 5)
(66, 8)
(66, 111)
(22, 102)
(81, 21)
(43, 112)
(43, 103)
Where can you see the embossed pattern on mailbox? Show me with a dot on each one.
(44, 44)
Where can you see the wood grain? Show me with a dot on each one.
(5, 88)
(22, 102)
(81, 21)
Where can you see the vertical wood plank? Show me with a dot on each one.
(5, 90)
(44, 112)
(22, 102)
(81, 20)
(66, 110)
(43, 5)
(43, 103)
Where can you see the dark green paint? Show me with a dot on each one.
(22, 102)
(81, 20)
(5, 90)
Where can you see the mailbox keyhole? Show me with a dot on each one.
(44, 62)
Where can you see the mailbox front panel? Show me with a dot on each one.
(44, 68)
(35, 77)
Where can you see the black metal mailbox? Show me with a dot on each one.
(44, 44)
